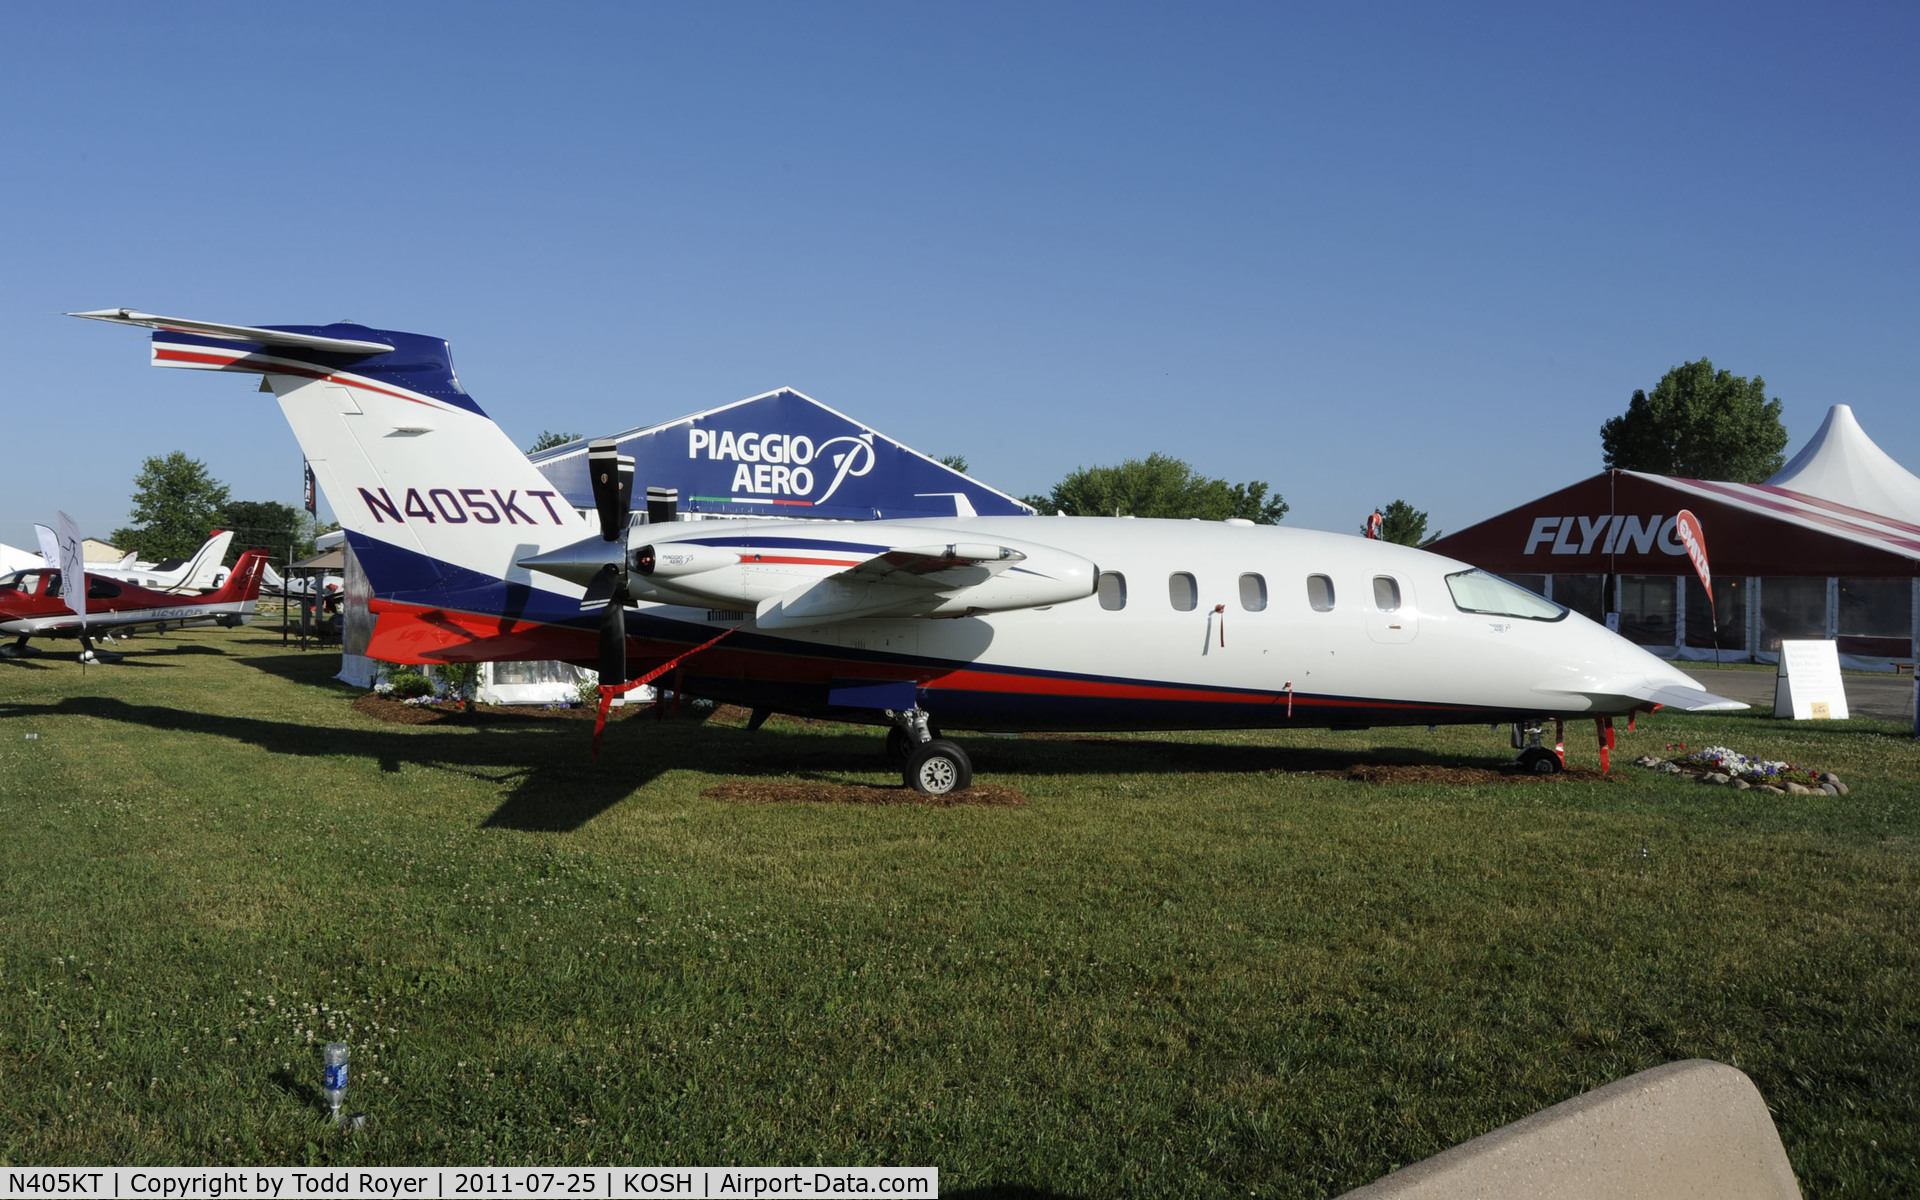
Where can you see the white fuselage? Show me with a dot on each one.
(1213, 611)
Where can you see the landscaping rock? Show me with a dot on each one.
(1769, 789)
(1715, 777)
(1830, 789)
(1795, 789)
(1742, 784)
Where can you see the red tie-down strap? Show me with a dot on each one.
(1603, 729)
(609, 690)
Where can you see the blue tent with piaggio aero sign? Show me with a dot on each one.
(782, 454)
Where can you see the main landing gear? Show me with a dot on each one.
(1535, 757)
(89, 654)
(933, 765)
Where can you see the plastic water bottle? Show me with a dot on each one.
(333, 1080)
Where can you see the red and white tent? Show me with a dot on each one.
(1806, 561)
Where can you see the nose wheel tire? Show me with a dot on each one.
(937, 767)
(1538, 760)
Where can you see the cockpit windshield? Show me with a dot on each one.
(1478, 592)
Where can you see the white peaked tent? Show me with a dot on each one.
(13, 559)
(1843, 465)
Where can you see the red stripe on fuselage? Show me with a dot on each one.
(414, 633)
(792, 559)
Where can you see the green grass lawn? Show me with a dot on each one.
(1190, 966)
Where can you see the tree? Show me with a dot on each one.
(1158, 486)
(268, 524)
(549, 439)
(1405, 525)
(957, 461)
(1700, 424)
(176, 506)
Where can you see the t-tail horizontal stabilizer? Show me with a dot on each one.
(236, 333)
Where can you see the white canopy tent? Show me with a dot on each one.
(1842, 464)
(12, 559)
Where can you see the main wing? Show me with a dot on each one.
(789, 577)
(907, 582)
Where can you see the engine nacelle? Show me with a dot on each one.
(676, 560)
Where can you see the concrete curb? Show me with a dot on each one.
(1693, 1129)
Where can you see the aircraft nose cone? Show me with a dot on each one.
(577, 563)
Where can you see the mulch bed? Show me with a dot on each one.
(741, 791)
(1465, 776)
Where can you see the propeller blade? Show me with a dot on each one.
(603, 587)
(612, 476)
(613, 645)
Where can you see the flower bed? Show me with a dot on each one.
(1730, 768)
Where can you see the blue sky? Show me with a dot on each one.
(1360, 252)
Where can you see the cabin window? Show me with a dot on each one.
(1113, 591)
(1253, 592)
(1478, 592)
(1182, 591)
(1320, 593)
(1386, 593)
(102, 589)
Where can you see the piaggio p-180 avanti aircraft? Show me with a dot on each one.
(989, 623)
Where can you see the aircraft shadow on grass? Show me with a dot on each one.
(557, 787)
(31, 658)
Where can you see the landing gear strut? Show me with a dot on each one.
(934, 765)
(1535, 757)
(910, 729)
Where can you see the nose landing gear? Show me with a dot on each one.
(1535, 758)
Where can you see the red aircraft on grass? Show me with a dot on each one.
(31, 606)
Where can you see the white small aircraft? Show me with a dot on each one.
(202, 573)
(989, 623)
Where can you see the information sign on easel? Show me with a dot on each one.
(1807, 686)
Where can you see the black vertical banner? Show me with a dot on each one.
(313, 495)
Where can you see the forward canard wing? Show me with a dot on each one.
(1641, 692)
